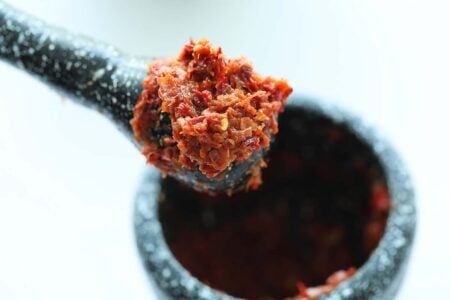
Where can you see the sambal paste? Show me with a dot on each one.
(204, 110)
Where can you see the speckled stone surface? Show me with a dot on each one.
(379, 278)
(89, 72)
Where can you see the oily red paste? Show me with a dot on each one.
(204, 110)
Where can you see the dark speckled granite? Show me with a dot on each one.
(93, 74)
(379, 278)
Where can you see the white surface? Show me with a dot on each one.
(67, 177)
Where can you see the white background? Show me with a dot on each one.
(67, 177)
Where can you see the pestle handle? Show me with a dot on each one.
(91, 73)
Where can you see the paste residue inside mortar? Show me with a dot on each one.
(320, 213)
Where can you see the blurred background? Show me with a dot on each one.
(67, 176)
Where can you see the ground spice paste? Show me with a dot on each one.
(204, 110)
(320, 213)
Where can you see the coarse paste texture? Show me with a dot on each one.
(204, 110)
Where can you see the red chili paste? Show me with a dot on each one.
(309, 293)
(204, 110)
